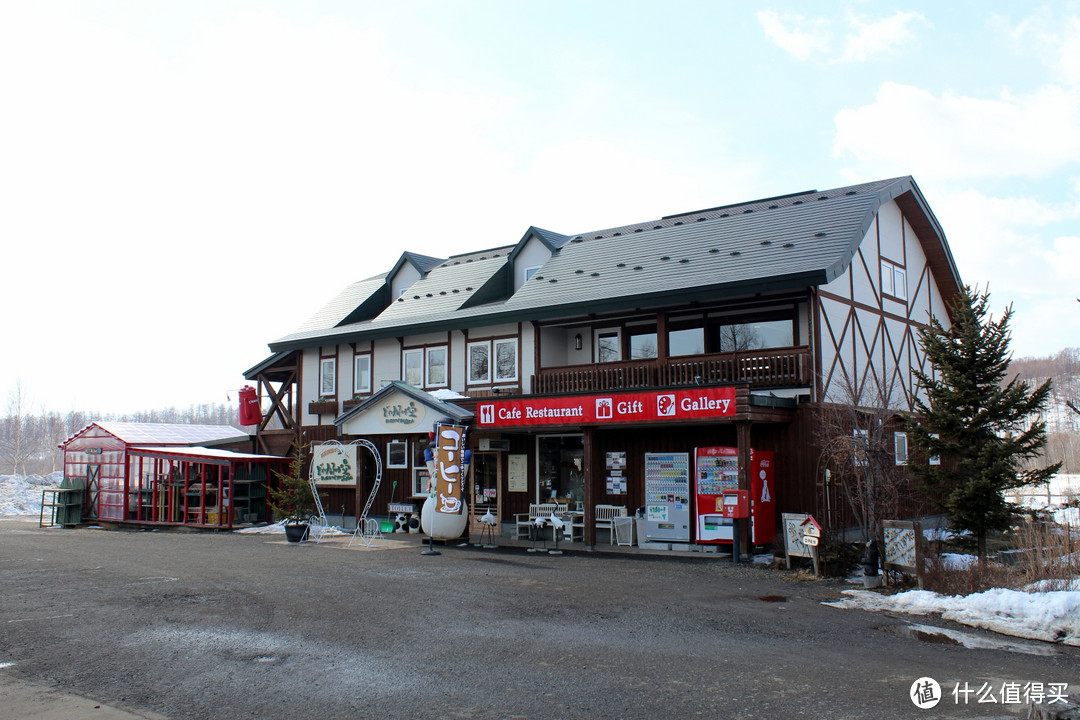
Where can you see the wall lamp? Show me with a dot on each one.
(577, 341)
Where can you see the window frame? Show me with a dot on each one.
(598, 334)
(405, 355)
(528, 272)
(894, 271)
(391, 450)
(469, 379)
(428, 352)
(357, 388)
(324, 363)
(900, 442)
(493, 357)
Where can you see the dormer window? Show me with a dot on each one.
(527, 273)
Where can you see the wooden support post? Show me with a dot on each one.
(589, 447)
(743, 435)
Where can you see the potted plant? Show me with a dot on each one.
(293, 502)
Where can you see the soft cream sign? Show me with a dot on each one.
(334, 464)
(449, 447)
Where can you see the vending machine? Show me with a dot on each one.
(667, 497)
(716, 470)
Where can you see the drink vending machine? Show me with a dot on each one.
(716, 469)
(667, 497)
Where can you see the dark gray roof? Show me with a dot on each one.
(768, 245)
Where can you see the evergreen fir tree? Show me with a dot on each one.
(980, 428)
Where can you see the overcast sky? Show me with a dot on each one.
(182, 183)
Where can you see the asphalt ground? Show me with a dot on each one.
(123, 623)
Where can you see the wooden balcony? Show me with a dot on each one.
(783, 367)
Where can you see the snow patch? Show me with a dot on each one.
(1052, 616)
(21, 494)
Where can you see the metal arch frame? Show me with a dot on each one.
(365, 531)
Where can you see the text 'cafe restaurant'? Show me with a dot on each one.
(668, 453)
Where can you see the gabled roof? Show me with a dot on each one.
(423, 263)
(552, 240)
(440, 407)
(768, 245)
(134, 433)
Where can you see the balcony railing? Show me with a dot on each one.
(786, 367)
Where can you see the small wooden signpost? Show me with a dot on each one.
(811, 537)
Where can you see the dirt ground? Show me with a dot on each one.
(203, 626)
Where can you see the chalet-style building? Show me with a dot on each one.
(583, 362)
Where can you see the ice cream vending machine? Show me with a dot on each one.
(716, 469)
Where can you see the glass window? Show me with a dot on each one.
(414, 367)
(506, 360)
(643, 346)
(562, 469)
(362, 374)
(690, 341)
(756, 335)
(479, 362)
(436, 366)
(893, 280)
(397, 454)
(327, 377)
(607, 346)
(900, 446)
(528, 272)
(420, 472)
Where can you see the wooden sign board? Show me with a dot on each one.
(793, 536)
(903, 546)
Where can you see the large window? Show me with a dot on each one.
(642, 344)
(734, 337)
(362, 374)
(608, 346)
(479, 362)
(413, 367)
(436, 369)
(327, 377)
(686, 341)
(493, 361)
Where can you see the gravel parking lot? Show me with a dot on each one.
(197, 625)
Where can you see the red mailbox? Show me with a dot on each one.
(250, 410)
(735, 505)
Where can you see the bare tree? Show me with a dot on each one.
(18, 441)
(859, 447)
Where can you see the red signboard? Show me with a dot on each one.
(657, 406)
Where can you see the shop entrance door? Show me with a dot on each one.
(485, 495)
(562, 470)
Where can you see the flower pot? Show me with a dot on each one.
(296, 533)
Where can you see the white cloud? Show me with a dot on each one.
(805, 38)
(953, 136)
(795, 34)
(872, 39)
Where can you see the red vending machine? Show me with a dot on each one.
(716, 469)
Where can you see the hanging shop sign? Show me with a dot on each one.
(334, 464)
(697, 403)
(449, 472)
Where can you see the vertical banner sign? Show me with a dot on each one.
(334, 464)
(449, 446)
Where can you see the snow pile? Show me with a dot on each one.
(21, 494)
(1052, 616)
